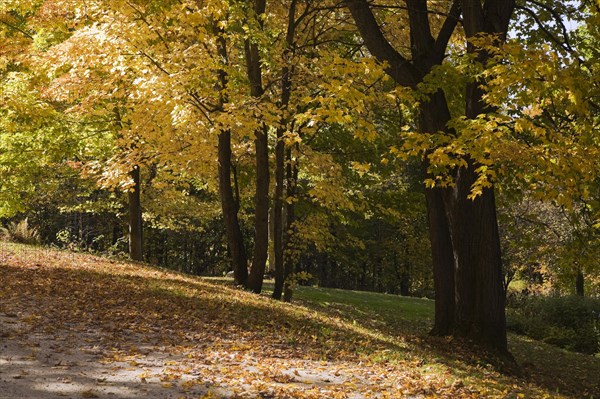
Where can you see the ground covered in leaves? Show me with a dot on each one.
(80, 326)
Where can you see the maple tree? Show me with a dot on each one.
(463, 229)
(467, 154)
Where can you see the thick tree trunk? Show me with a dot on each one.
(434, 117)
(235, 239)
(473, 224)
(479, 295)
(464, 233)
(136, 250)
(465, 248)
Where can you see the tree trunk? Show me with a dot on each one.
(229, 205)
(579, 280)
(135, 217)
(278, 241)
(443, 263)
(235, 239)
(405, 283)
(261, 144)
(116, 231)
(271, 255)
(261, 214)
(479, 295)
(286, 90)
(290, 216)
(434, 116)
(473, 223)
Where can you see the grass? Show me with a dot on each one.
(379, 340)
(400, 311)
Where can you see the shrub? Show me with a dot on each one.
(568, 322)
(21, 232)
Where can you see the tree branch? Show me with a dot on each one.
(399, 68)
(23, 31)
(441, 43)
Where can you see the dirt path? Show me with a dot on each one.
(77, 365)
(38, 364)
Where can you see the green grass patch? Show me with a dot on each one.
(409, 315)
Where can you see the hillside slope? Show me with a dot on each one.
(76, 325)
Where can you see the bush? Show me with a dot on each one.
(21, 232)
(568, 322)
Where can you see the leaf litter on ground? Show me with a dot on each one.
(77, 325)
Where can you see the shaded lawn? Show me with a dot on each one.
(546, 365)
(372, 332)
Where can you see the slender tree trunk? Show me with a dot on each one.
(229, 205)
(579, 283)
(116, 231)
(278, 241)
(261, 214)
(165, 253)
(443, 263)
(290, 260)
(286, 90)
(135, 217)
(405, 283)
(261, 144)
(235, 239)
(271, 256)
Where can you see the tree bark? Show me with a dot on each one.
(136, 250)
(235, 239)
(261, 214)
(278, 242)
(229, 205)
(443, 263)
(286, 91)
(261, 144)
(473, 223)
(434, 116)
(290, 216)
(479, 294)
(405, 281)
(579, 283)
(117, 231)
